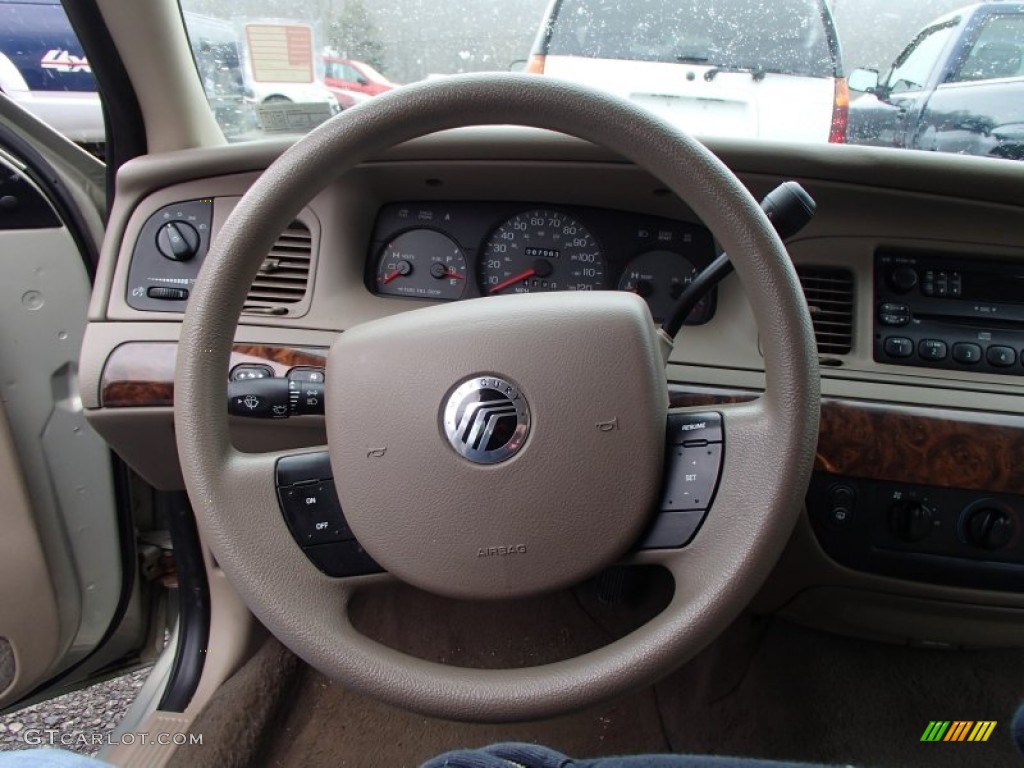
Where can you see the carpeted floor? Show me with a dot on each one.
(767, 688)
(799, 694)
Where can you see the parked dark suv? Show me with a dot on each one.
(957, 87)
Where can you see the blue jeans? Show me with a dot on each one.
(48, 758)
(515, 755)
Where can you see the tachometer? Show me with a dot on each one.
(422, 263)
(541, 250)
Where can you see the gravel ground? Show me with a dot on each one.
(78, 722)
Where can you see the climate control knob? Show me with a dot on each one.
(989, 528)
(910, 520)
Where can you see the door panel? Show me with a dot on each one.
(29, 619)
(63, 466)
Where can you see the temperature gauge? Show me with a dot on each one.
(660, 277)
(421, 263)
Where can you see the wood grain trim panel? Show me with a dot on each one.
(973, 450)
(141, 373)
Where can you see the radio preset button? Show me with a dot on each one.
(967, 353)
(932, 349)
(898, 346)
(1001, 357)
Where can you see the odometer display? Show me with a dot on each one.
(541, 250)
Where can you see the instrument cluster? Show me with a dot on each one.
(446, 251)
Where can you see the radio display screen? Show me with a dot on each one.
(993, 287)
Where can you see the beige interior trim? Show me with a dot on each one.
(234, 638)
(29, 619)
(152, 44)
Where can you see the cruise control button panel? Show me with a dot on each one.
(310, 506)
(314, 513)
(694, 444)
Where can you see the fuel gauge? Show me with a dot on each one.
(660, 277)
(421, 263)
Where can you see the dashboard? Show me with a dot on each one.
(458, 250)
(915, 518)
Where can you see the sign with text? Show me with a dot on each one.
(280, 53)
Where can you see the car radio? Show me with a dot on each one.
(949, 312)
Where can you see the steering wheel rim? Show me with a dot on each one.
(769, 442)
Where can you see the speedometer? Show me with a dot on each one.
(541, 250)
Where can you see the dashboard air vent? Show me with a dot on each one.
(829, 294)
(284, 275)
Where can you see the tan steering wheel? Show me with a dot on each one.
(583, 377)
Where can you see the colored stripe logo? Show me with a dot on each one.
(958, 730)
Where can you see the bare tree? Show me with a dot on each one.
(354, 34)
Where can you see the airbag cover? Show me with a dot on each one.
(572, 495)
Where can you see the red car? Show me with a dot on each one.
(352, 81)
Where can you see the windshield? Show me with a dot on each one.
(807, 71)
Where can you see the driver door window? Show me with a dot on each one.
(997, 52)
(915, 64)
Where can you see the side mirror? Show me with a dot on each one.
(362, 80)
(519, 65)
(864, 80)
